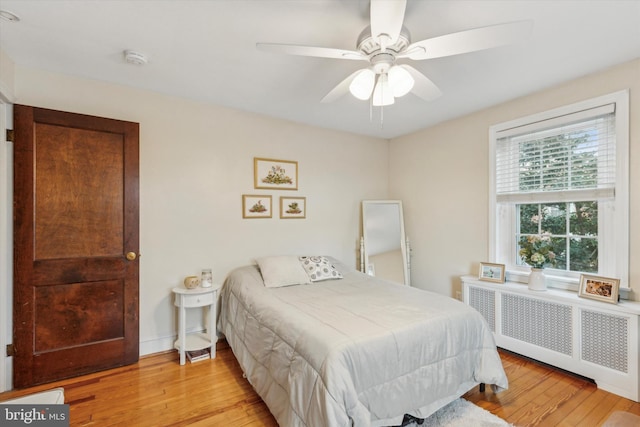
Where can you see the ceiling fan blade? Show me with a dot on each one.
(341, 89)
(469, 40)
(422, 87)
(387, 17)
(320, 52)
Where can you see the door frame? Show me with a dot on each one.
(6, 244)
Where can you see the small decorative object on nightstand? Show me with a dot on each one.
(194, 298)
(191, 282)
(206, 279)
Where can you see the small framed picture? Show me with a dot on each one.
(491, 272)
(599, 288)
(275, 174)
(256, 206)
(293, 207)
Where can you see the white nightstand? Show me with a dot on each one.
(194, 298)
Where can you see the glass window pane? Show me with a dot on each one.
(584, 218)
(575, 247)
(532, 249)
(584, 255)
(529, 219)
(554, 218)
(559, 248)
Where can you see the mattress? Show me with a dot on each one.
(357, 351)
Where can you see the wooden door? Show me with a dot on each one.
(75, 292)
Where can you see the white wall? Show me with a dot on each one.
(7, 73)
(442, 175)
(196, 161)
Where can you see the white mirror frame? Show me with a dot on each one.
(368, 209)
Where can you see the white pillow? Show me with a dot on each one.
(282, 270)
(319, 268)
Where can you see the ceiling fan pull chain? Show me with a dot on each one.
(371, 110)
(382, 89)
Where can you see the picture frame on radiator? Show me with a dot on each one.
(599, 288)
(491, 272)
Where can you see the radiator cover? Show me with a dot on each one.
(591, 338)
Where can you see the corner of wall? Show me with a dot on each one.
(7, 77)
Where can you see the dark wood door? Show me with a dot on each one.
(75, 300)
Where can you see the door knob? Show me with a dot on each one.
(131, 256)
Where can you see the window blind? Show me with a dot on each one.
(564, 158)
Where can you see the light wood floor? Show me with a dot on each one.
(157, 391)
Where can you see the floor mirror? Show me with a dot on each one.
(384, 247)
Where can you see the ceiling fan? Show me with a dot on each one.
(387, 40)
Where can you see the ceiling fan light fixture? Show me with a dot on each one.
(382, 94)
(362, 85)
(400, 81)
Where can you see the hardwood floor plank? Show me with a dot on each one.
(598, 409)
(157, 391)
(539, 405)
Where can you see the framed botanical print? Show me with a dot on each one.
(256, 206)
(293, 207)
(275, 174)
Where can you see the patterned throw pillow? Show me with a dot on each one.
(319, 268)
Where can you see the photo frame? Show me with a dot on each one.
(491, 272)
(275, 174)
(256, 206)
(599, 288)
(293, 207)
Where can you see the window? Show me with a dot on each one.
(562, 177)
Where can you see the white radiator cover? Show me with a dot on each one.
(594, 339)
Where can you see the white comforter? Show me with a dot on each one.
(356, 351)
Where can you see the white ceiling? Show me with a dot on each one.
(205, 50)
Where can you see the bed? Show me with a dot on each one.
(347, 349)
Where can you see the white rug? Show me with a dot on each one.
(462, 413)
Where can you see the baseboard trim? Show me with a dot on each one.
(164, 344)
(158, 345)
